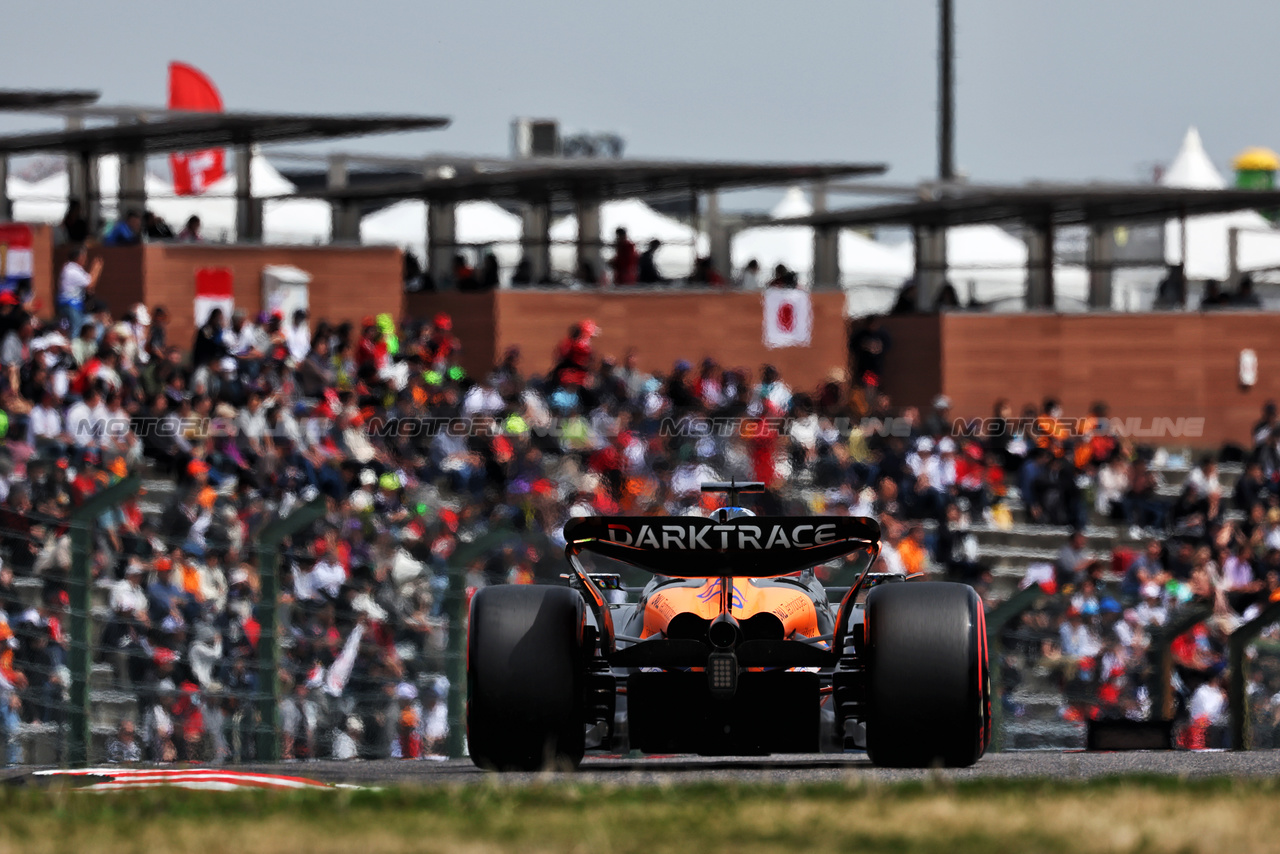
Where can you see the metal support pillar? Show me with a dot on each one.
(590, 247)
(133, 187)
(1237, 684)
(946, 91)
(826, 244)
(442, 241)
(456, 609)
(718, 236)
(266, 612)
(6, 203)
(86, 190)
(1039, 238)
(1160, 654)
(535, 240)
(1000, 617)
(248, 209)
(1101, 260)
(80, 655)
(1233, 260)
(345, 227)
(931, 265)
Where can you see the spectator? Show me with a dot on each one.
(1266, 427)
(868, 346)
(75, 282)
(346, 741)
(625, 262)
(906, 301)
(1171, 292)
(191, 231)
(1245, 296)
(464, 275)
(155, 228)
(126, 232)
(74, 228)
(783, 278)
(705, 273)
(490, 273)
(648, 267)
(1073, 561)
(751, 279)
(1213, 296)
(124, 746)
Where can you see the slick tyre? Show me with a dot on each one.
(928, 690)
(525, 674)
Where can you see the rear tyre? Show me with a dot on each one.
(525, 678)
(928, 691)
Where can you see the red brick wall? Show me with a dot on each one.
(473, 323)
(661, 327)
(1144, 366)
(347, 283)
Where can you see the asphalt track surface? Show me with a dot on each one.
(845, 768)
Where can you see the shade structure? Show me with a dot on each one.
(46, 200)
(681, 244)
(285, 220)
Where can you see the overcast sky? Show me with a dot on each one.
(1069, 89)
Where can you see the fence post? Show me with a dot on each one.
(1237, 697)
(1161, 655)
(81, 522)
(455, 608)
(267, 614)
(1000, 616)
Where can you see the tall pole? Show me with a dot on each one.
(946, 92)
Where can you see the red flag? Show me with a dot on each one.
(194, 171)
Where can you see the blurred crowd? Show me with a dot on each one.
(422, 466)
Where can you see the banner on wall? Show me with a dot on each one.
(214, 290)
(788, 318)
(16, 258)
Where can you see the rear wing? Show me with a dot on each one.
(745, 547)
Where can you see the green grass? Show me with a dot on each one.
(1143, 815)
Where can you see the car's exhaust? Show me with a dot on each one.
(724, 632)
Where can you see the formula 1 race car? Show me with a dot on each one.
(734, 648)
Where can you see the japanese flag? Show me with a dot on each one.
(788, 318)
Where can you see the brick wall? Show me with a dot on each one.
(347, 283)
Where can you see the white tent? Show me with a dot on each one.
(477, 223)
(862, 261)
(791, 245)
(284, 220)
(1208, 241)
(46, 200)
(306, 221)
(37, 201)
(675, 258)
(988, 264)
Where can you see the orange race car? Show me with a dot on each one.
(734, 647)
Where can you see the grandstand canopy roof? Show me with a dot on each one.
(189, 131)
(44, 99)
(602, 179)
(1057, 204)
